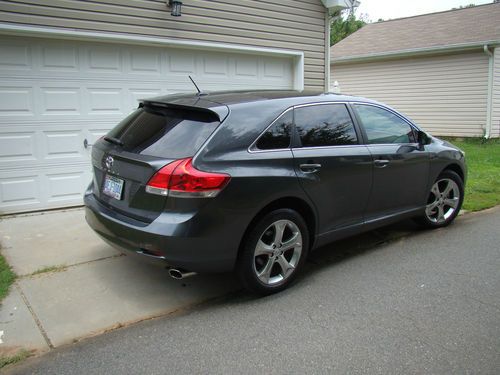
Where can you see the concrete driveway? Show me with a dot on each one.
(72, 285)
(428, 302)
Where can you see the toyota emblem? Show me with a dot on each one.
(109, 161)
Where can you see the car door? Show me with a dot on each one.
(334, 169)
(401, 164)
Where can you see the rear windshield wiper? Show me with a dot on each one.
(116, 141)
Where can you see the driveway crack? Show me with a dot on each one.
(35, 317)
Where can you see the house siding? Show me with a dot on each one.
(495, 108)
(445, 95)
(297, 25)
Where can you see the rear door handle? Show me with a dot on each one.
(381, 163)
(309, 168)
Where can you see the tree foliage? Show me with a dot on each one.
(465, 6)
(342, 27)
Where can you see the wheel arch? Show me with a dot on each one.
(294, 203)
(455, 168)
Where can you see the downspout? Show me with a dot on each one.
(487, 132)
(327, 51)
(332, 5)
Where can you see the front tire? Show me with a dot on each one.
(273, 252)
(444, 201)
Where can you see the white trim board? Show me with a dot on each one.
(46, 32)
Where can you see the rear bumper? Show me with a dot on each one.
(172, 237)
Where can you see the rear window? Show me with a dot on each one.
(277, 136)
(165, 133)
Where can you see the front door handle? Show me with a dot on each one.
(309, 168)
(381, 163)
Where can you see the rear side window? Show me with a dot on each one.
(278, 135)
(325, 125)
(383, 127)
(165, 133)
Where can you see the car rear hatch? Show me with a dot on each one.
(151, 137)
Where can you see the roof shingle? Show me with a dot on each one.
(459, 26)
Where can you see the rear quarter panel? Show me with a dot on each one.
(257, 178)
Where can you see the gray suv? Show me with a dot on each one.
(253, 181)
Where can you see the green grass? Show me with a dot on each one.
(7, 277)
(483, 162)
(18, 357)
(58, 268)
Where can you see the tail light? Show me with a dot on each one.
(181, 179)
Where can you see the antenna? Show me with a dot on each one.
(200, 93)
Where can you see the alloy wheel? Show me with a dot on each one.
(277, 253)
(443, 201)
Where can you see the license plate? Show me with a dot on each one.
(113, 187)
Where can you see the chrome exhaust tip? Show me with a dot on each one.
(180, 274)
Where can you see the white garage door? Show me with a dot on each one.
(56, 93)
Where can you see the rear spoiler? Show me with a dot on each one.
(216, 113)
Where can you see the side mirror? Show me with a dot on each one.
(423, 138)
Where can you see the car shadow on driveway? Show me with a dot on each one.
(358, 245)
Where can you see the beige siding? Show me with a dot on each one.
(293, 25)
(495, 110)
(446, 95)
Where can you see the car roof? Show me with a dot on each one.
(230, 98)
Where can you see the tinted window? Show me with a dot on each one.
(382, 126)
(165, 133)
(325, 125)
(278, 135)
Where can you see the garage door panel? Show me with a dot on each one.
(246, 67)
(59, 187)
(274, 69)
(59, 57)
(15, 56)
(38, 146)
(57, 123)
(54, 94)
(215, 64)
(181, 62)
(136, 94)
(63, 187)
(107, 59)
(16, 100)
(63, 144)
(105, 100)
(20, 147)
(145, 61)
(17, 146)
(19, 191)
(60, 100)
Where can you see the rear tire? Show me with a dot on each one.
(273, 252)
(444, 202)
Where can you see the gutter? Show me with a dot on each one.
(416, 51)
(486, 50)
